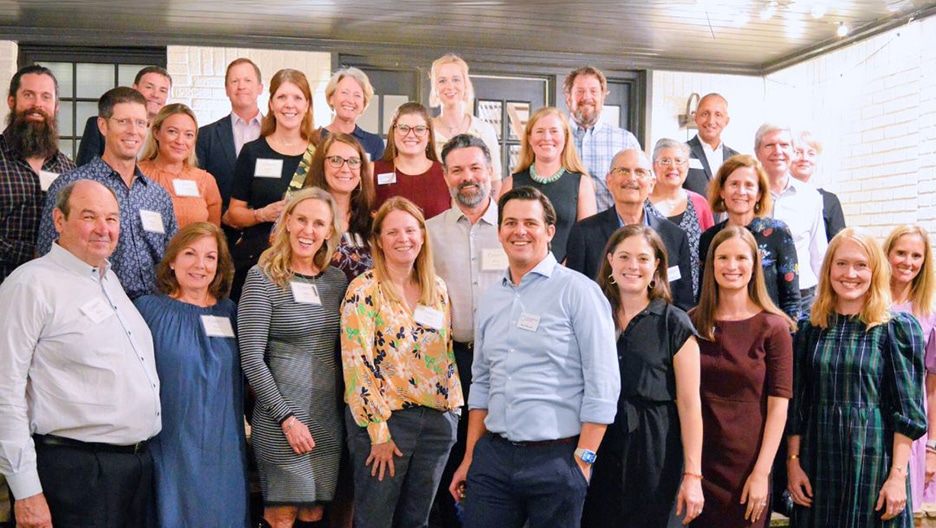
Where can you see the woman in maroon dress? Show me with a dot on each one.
(746, 355)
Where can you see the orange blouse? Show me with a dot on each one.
(206, 207)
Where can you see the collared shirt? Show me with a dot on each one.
(21, 198)
(469, 258)
(244, 131)
(714, 155)
(138, 250)
(373, 144)
(545, 355)
(597, 147)
(799, 205)
(76, 360)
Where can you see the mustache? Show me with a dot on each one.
(32, 138)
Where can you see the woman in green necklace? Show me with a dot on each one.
(548, 162)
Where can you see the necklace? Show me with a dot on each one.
(536, 177)
(457, 127)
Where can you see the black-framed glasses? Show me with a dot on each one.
(338, 161)
(418, 130)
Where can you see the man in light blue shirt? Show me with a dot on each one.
(545, 381)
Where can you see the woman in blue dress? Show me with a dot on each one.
(200, 460)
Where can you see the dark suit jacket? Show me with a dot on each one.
(588, 238)
(832, 213)
(217, 154)
(698, 179)
(92, 142)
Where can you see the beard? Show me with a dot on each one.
(468, 198)
(586, 115)
(32, 139)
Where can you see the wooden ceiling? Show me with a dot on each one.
(696, 35)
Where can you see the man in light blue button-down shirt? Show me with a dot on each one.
(545, 381)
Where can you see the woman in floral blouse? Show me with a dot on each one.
(402, 386)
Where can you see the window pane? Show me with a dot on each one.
(66, 125)
(369, 119)
(94, 79)
(66, 145)
(391, 103)
(611, 115)
(126, 73)
(85, 110)
(63, 74)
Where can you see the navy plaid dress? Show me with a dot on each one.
(853, 388)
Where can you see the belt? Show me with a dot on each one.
(467, 344)
(537, 443)
(59, 441)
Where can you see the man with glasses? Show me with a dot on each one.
(629, 181)
(707, 151)
(147, 220)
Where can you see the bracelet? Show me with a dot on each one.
(930, 449)
(289, 426)
(793, 457)
(898, 469)
(256, 215)
(694, 475)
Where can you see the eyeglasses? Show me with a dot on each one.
(641, 174)
(124, 122)
(338, 161)
(418, 130)
(669, 162)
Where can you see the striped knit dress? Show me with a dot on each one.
(289, 352)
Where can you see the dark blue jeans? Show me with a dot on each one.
(425, 437)
(509, 485)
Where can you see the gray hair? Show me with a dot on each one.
(667, 143)
(768, 128)
(465, 141)
(639, 152)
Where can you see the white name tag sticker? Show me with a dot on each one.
(97, 310)
(695, 163)
(429, 317)
(217, 326)
(673, 273)
(494, 259)
(386, 178)
(46, 178)
(152, 221)
(185, 187)
(305, 293)
(528, 322)
(268, 168)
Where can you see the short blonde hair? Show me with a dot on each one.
(450, 58)
(357, 75)
(923, 287)
(151, 146)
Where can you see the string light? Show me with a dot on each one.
(842, 30)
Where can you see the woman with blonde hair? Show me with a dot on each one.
(349, 93)
(288, 324)
(168, 158)
(746, 363)
(857, 403)
(401, 382)
(452, 91)
(549, 163)
(912, 288)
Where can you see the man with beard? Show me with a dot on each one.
(154, 83)
(29, 161)
(469, 258)
(596, 142)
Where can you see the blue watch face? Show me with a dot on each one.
(589, 457)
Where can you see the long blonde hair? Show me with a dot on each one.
(275, 261)
(570, 158)
(923, 287)
(876, 309)
(423, 267)
(151, 146)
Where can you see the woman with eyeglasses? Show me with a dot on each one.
(687, 209)
(549, 163)
(410, 167)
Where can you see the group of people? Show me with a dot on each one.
(606, 338)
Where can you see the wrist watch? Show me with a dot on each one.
(931, 444)
(586, 455)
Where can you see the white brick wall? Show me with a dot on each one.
(8, 54)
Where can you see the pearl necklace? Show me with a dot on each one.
(550, 179)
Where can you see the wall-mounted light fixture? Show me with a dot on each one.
(687, 120)
(842, 30)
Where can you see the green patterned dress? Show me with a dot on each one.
(854, 388)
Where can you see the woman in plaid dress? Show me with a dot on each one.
(857, 396)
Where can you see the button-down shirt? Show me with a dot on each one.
(21, 198)
(76, 360)
(545, 355)
(465, 256)
(714, 156)
(245, 131)
(138, 250)
(799, 205)
(597, 147)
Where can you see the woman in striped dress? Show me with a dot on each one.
(287, 323)
(857, 396)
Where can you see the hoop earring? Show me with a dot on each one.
(612, 278)
(652, 285)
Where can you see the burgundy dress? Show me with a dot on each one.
(427, 190)
(748, 361)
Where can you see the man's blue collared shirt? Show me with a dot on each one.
(597, 146)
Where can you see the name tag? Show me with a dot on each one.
(217, 326)
(494, 259)
(152, 221)
(97, 310)
(305, 293)
(673, 273)
(386, 178)
(268, 168)
(695, 163)
(429, 317)
(528, 322)
(185, 188)
(46, 178)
